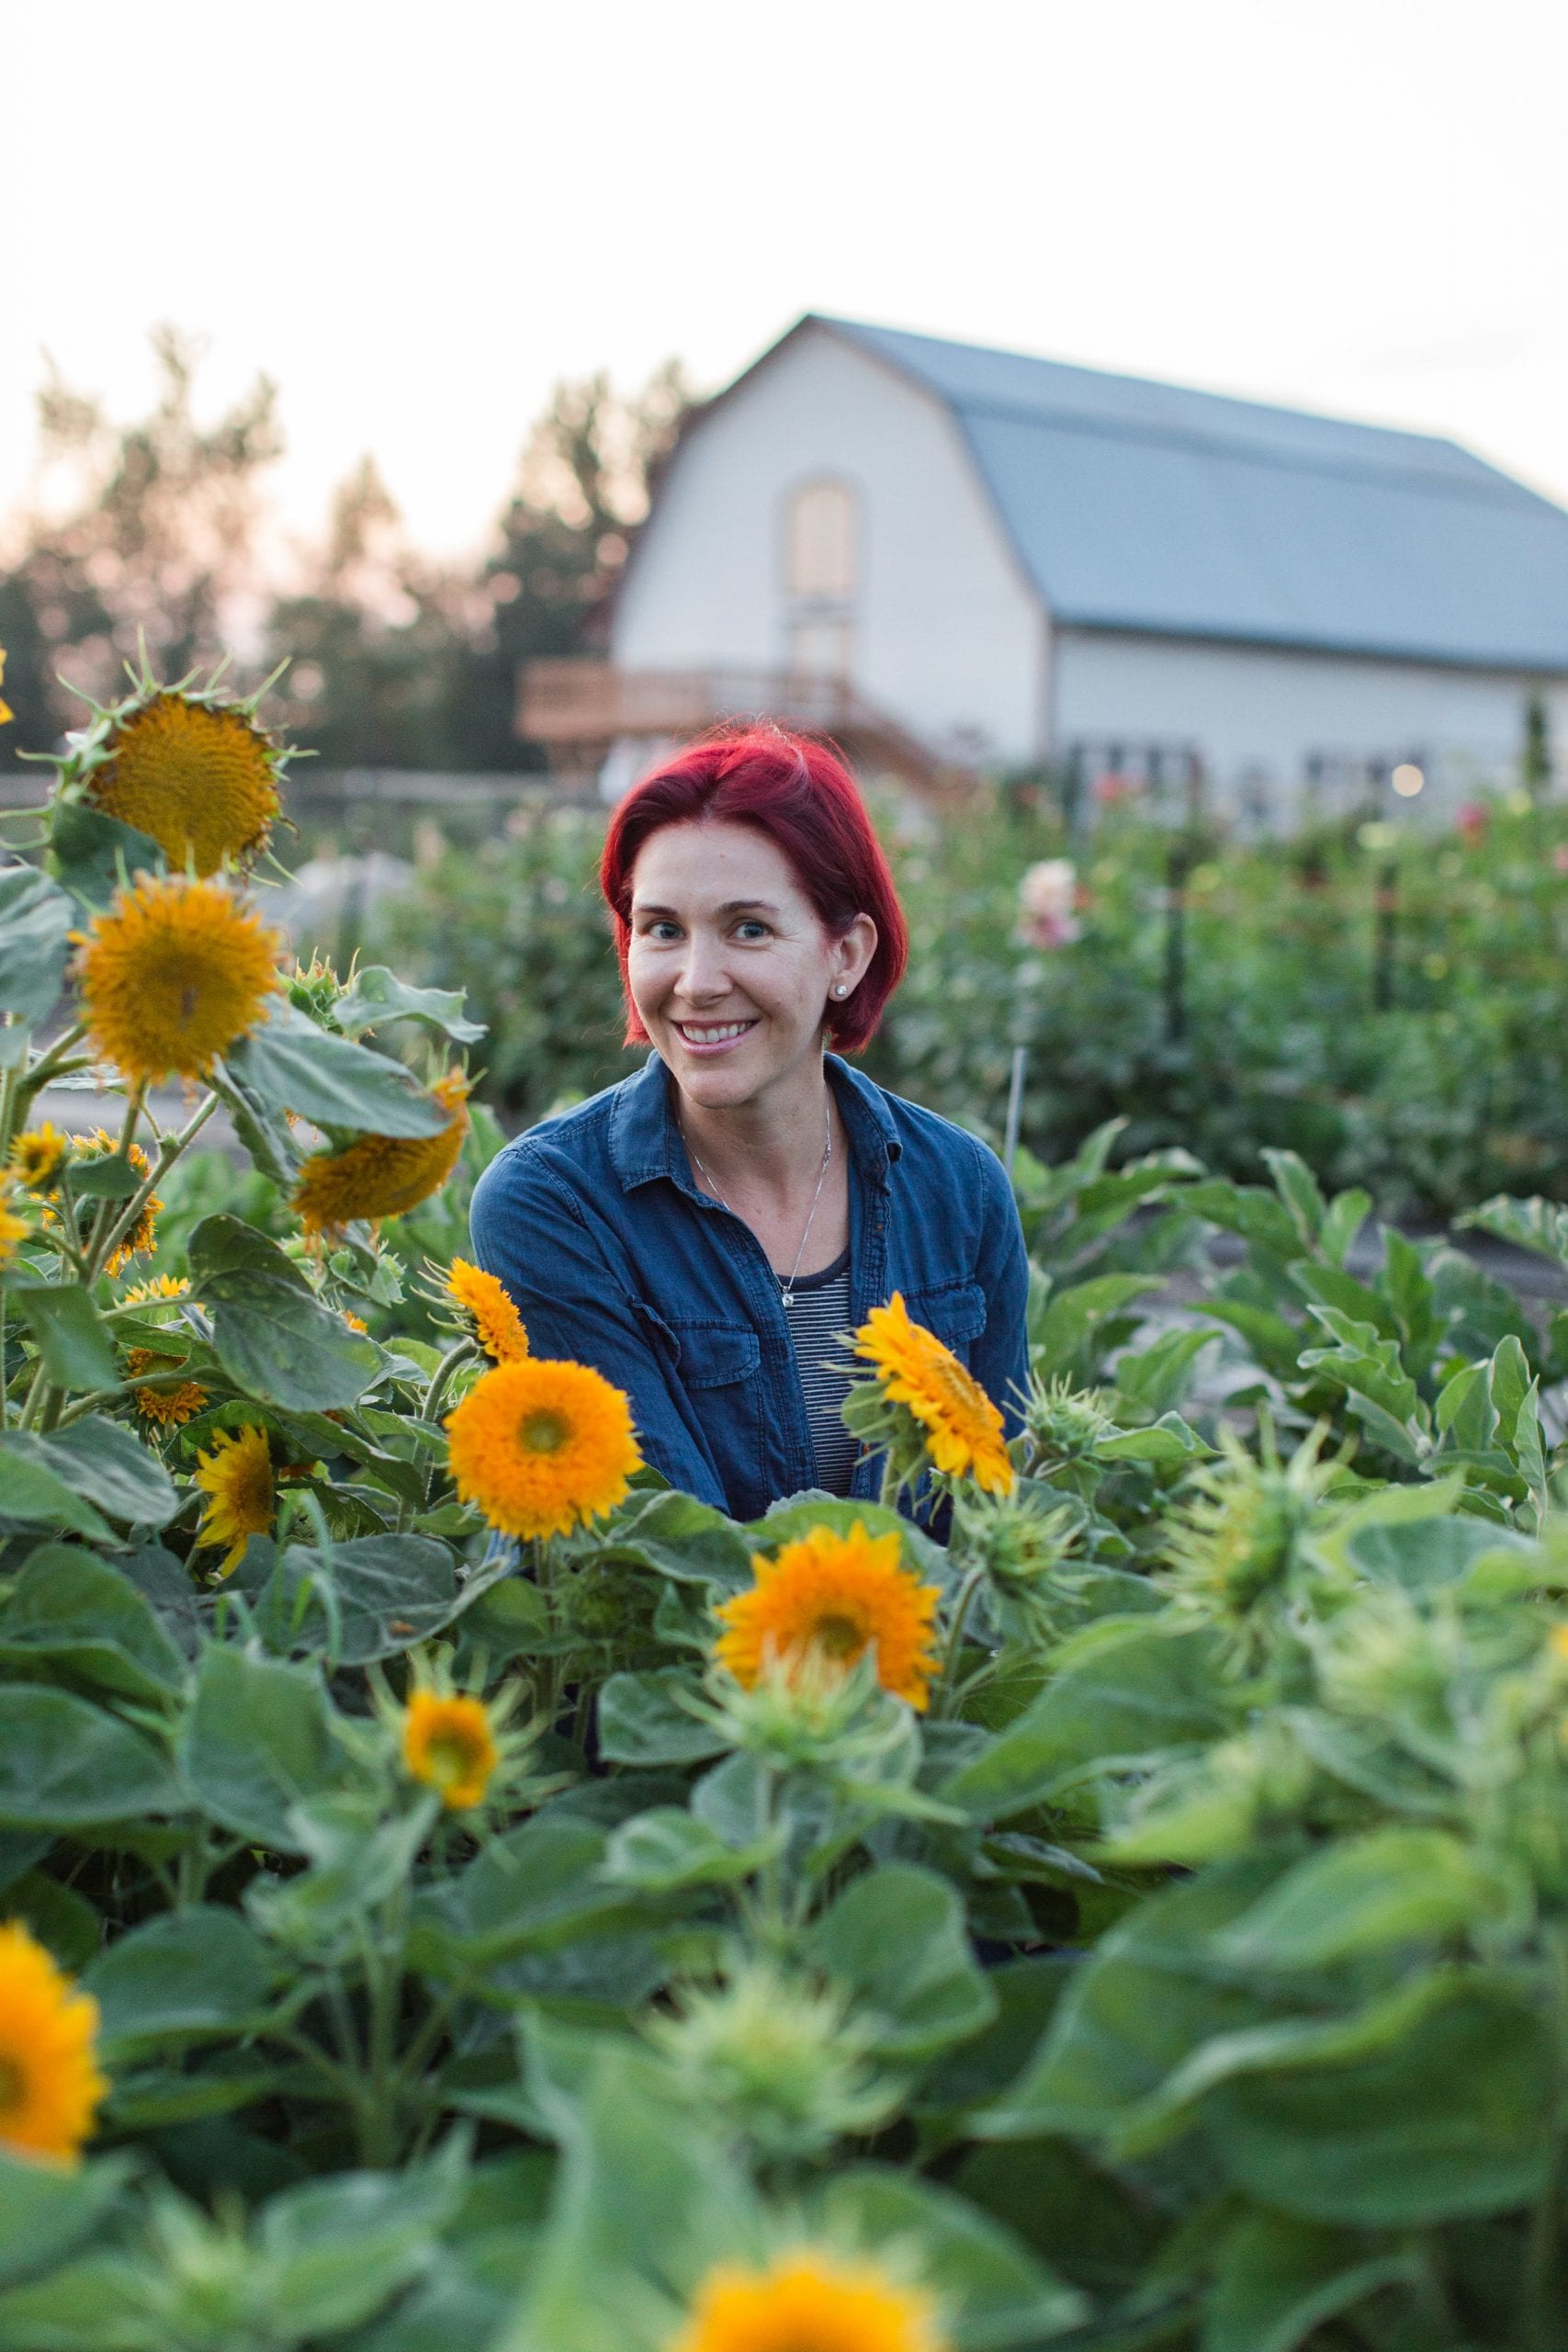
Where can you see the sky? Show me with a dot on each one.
(417, 219)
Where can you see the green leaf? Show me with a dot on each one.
(642, 1721)
(107, 1179)
(666, 1848)
(1348, 1211)
(996, 2288)
(1169, 1441)
(674, 1535)
(36, 918)
(1451, 2118)
(1124, 1693)
(185, 1976)
(377, 997)
(1158, 1377)
(33, 1493)
(1371, 1372)
(108, 1464)
(1279, 2281)
(272, 1335)
(290, 1065)
(331, 2252)
(71, 1337)
(1534, 1224)
(370, 1597)
(45, 2211)
(895, 1940)
(87, 849)
(1259, 1216)
(258, 1741)
(63, 1763)
(1079, 1322)
(1388, 1887)
(531, 1890)
(1298, 1188)
(71, 1608)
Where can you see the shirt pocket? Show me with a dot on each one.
(954, 1311)
(717, 1376)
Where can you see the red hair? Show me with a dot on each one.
(800, 795)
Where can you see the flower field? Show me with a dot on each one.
(456, 1890)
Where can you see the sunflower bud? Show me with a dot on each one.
(778, 2060)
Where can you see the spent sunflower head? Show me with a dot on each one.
(49, 2083)
(174, 1402)
(237, 1478)
(485, 1310)
(193, 770)
(541, 1448)
(378, 1176)
(38, 1154)
(836, 1597)
(810, 2299)
(174, 974)
(922, 1406)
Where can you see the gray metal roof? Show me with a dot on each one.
(1135, 506)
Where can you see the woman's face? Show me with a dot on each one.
(729, 967)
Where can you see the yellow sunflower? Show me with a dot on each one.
(541, 1448)
(963, 1429)
(170, 1407)
(14, 1229)
(834, 1595)
(155, 1290)
(449, 1743)
(377, 1176)
(101, 1145)
(38, 1154)
(237, 1478)
(174, 974)
(199, 778)
(808, 2300)
(488, 1311)
(49, 2085)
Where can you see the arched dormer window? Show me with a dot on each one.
(821, 575)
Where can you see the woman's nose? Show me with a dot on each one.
(703, 973)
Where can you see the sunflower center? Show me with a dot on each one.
(839, 1636)
(544, 1432)
(452, 1758)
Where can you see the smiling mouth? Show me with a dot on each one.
(712, 1033)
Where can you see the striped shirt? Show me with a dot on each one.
(820, 1314)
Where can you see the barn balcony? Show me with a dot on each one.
(577, 709)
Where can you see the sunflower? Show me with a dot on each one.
(377, 1176)
(38, 1154)
(961, 1429)
(155, 1290)
(808, 2300)
(487, 1310)
(449, 1743)
(170, 1407)
(541, 1448)
(834, 1595)
(174, 974)
(237, 1476)
(49, 2085)
(101, 1145)
(14, 1229)
(200, 777)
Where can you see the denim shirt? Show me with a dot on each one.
(592, 1222)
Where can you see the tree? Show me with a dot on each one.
(142, 529)
(1535, 766)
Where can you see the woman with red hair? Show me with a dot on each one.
(702, 1232)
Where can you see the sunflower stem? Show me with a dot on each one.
(169, 1151)
(103, 1216)
(967, 1591)
(58, 1058)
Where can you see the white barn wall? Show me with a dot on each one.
(1258, 710)
(949, 639)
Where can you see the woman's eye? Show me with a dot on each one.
(661, 931)
(752, 930)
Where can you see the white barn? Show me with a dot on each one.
(960, 558)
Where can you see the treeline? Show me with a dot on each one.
(161, 528)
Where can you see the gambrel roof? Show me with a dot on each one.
(1142, 506)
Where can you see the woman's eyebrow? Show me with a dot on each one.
(730, 907)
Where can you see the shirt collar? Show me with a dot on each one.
(645, 1142)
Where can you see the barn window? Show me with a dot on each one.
(821, 543)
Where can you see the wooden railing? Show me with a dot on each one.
(577, 707)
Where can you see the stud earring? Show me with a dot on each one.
(839, 988)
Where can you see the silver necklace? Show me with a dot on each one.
(787, 1288)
